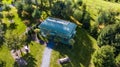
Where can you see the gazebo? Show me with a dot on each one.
(58, 29)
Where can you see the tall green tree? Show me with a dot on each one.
(110, 35)
(19, 7)
(104, 57)
(107, 17)
(36, 14)
(27, 1)
(61, 10)
(27, 11)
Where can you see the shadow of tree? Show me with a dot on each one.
(30, 60)
(2, 33)
(2, 63)
(15, 64)
(81, 52)
(4, 27)
(13, 26)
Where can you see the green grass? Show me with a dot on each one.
(6, 56)
(37, 51)
(94, 7)
(99, 4)
(80, 55)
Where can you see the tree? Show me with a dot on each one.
(83, 16)
(19, 7)
(14, 42)
(117, 60)
(6, 7)
(110, 35)
(117, 1)
(36, 14)
(28, 1)
(27, 11)
(107, 17)
(77, 14)
(104, 57)
(61, 10)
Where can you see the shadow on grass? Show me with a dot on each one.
(81, 53)
(2, 41)
(2, 63)
(15, 64)
(29, 59)
(4, 28)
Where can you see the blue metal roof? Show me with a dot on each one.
(59, 27)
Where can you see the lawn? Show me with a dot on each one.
(36, 50)
(83, 49)
(6, 56)
(94, 7)
(80, 54)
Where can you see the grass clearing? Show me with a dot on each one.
(80, 54)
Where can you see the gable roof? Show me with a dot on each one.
(58, 26)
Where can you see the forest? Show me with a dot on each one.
(97, 41)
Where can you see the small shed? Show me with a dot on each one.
(58, 28)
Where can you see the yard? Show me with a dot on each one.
(35, 48)
(80, 54)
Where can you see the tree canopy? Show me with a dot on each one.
(104, 57)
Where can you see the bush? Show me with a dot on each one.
(104, 57)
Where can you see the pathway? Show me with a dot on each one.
(47, 54)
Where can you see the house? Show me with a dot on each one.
(59, 29)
